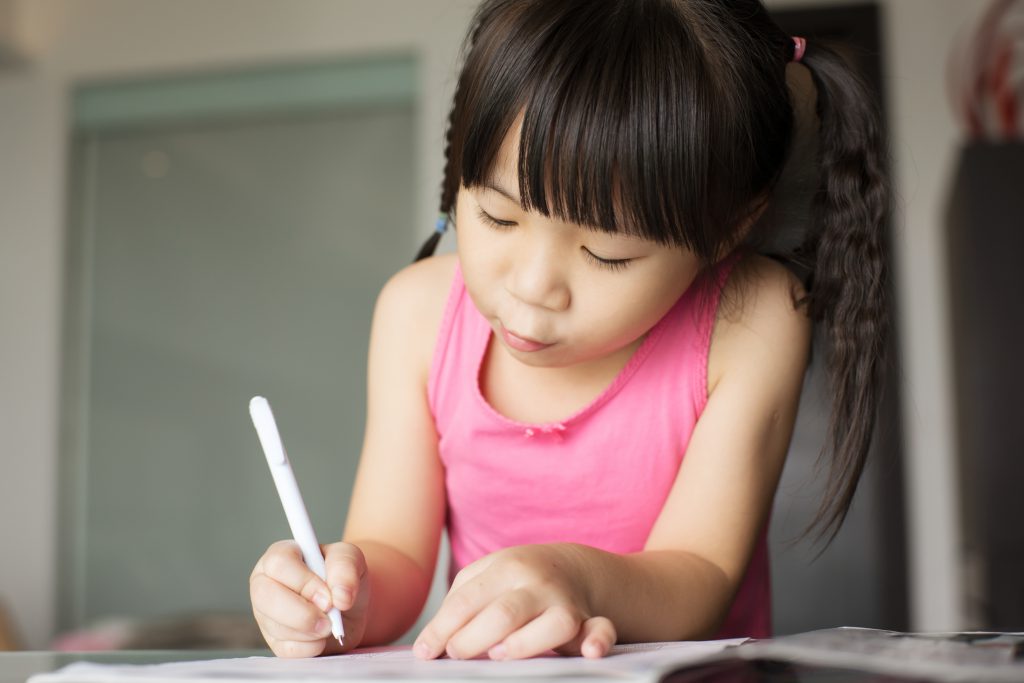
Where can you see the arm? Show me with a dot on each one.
(398, 505)
(532, 598)
(683, 582)
(380, 575)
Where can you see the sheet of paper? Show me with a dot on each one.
(641, 662)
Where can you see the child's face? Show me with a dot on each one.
(541, 285)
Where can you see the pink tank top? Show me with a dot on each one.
(599, 477)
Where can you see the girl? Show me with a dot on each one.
(596, 393)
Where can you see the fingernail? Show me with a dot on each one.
(323, 627)
(499, 651)
(422, 650)
(342, 597)
(592, 649)
(322, 601)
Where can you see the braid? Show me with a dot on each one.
(452, 162)
(449, 190)
(449, 185)
(850, 288)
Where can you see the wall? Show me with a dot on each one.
(918, 36)
(8, 47)
(70, 41)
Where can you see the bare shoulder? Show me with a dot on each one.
(411, 304)
(758, 320)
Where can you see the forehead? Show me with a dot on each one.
(561, 175)
(505, 167)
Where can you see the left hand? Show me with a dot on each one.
(515, 603)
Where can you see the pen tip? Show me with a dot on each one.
(339, 642)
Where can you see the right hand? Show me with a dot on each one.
(290, 602)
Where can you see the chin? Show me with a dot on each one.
(541, 359)
(549, 358)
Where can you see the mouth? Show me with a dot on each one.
(520, 343)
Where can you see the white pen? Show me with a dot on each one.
(291, 499)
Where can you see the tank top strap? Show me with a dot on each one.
(706, 308)
(461, 341)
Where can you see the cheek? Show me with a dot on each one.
(478, 245)
(627, 312)
(479, 262)
(480, 275)
(615, 319)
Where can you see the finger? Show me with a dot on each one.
(284, 564)
(557, 625)
(493, 624)
(285, 614)
(295, 649)
(346, 567)
(457, 608)
(595, 639)
(469, 572)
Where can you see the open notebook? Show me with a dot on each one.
(953, 657)
(642, 662)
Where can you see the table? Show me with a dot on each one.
(16, 667)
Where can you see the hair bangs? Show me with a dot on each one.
(613, 132)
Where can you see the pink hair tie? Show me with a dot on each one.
(799, 47)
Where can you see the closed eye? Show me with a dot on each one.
(492, 221)
(610, 264)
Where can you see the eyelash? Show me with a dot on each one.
(609, 264)
(492, 221)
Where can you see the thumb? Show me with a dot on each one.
(346, 570)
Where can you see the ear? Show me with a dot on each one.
(757, 208)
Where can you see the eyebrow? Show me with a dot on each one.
(493, 185)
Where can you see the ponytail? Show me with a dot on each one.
(849, 289)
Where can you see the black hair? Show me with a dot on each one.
(671, 120)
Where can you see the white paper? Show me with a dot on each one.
(639, 662)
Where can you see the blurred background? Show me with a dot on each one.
(199, 200)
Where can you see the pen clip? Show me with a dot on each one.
(266, 430)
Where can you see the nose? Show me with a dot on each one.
(537, 278)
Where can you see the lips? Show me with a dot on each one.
(524, 344)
